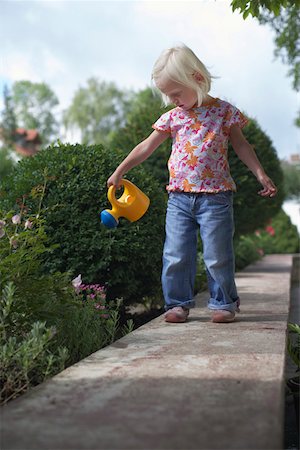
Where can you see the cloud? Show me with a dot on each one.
(63, 43)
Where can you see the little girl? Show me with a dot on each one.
(200, 185)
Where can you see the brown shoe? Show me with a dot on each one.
(222, 316)
(177, 314)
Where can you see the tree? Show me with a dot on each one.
(73, 181)
(256, 8)
(8, 123)
(284, 17)
(33, 106)
(145, 110)
(8, 127)
(291, 180)
(96, 110)
(6, 163)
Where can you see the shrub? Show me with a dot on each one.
(246, 251)
(25, 358)
(44, 323)
(279, 236)
(23, 243)
(251, 210)
(145, 110)
(73, 179)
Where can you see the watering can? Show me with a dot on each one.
(132, 204)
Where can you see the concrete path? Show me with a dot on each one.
(196, 385)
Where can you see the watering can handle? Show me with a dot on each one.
(111, 194)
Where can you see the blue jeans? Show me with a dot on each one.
(213, 213)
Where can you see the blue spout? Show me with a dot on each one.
(108, 220)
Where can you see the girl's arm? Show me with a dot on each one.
(141, 152)
(247, 154)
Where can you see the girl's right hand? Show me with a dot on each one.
(114, 180)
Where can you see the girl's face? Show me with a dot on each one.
(180, 95)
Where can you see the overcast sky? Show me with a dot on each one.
(63, 43)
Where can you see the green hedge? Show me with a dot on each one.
(251, 210)
(126, 259)
(278, 236)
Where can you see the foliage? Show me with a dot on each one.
(93, 324)
(256, 8)
(251, 210)
(279, 236)
(128, 258)
(38, 296)
(6, 162)
(7, 132)
(293, 344)
(286, 26)
(291, 180)
(44, 323)
(25, 357)
(145, 110)
(201, 277)
(246, 251)
(284, 18)
(33, 105)
(8, 122)
(96, 110)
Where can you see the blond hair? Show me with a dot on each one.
(180, 64)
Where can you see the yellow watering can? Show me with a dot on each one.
(132, 205)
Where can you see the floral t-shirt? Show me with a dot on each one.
(198, 162)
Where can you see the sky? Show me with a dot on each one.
(64, 43)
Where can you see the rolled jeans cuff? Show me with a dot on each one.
(232, 307)
(188, 305)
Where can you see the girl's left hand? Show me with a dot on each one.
(269, 188)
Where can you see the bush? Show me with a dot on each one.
(44, 323)
(251, 210)
(25, 358)
(145, 110)
(73, 179)
(246, 251)
(279, 236)
(23, 244)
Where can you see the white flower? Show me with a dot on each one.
(2, 223)
(14, 242)
(77, 281)
(16, 219)
(28, 225)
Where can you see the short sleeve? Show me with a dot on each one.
(163, 123)
(235, 117)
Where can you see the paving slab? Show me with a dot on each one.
(196, 385)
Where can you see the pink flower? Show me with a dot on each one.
(28, 225)
(269, 229)
(16, 219)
